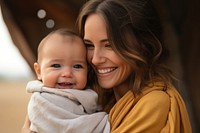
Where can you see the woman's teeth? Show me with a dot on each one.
(107, 70)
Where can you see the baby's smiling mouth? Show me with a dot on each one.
(65, 85)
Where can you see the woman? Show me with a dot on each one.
(123, 40)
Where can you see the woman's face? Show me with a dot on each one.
(111, 70)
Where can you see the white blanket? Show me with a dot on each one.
(53, 110)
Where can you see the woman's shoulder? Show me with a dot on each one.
(155, 103)
(155, 95)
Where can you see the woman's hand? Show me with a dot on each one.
(25, 128)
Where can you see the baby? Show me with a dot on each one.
(61, 101)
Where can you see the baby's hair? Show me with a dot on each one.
(64, 31)
(61, 31)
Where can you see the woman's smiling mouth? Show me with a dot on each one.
(107, 70)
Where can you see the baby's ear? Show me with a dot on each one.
(37, 70)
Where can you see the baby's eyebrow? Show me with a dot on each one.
(55, 59)
(80, 61)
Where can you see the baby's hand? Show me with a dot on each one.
(25, 128)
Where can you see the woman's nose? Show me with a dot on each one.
(97, 57)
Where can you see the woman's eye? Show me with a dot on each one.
(89, 46)
(77, 66)
(56, 65)
(108, 45)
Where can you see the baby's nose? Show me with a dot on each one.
(67, 72)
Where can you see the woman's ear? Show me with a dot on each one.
(37, 70)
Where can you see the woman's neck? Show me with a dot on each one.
(120, 91)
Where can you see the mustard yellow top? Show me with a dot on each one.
(154, 111)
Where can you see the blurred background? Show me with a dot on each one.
(14, 74)
(23, 23)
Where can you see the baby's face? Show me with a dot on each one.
(63, 63)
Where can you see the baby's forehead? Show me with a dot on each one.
(58, 37)
(63, 40)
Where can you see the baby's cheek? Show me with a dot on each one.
(49, 80)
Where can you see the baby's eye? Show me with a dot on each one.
(56, 65)
(77, 66)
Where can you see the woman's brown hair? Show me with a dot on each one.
(135, 33)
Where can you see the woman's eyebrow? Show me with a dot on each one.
(86, 40)
(103, 40)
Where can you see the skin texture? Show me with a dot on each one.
(62, 62)
(110, 69)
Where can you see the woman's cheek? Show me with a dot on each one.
(89, 56)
